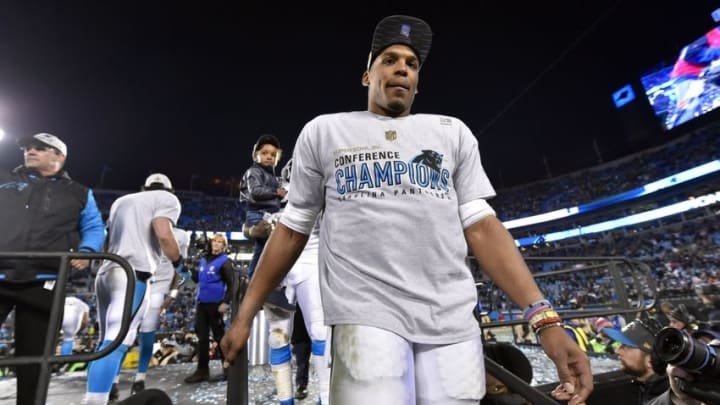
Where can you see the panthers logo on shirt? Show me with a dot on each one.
(429, 158)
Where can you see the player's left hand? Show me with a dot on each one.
(183, 272)
(573, 366)
(234, 340)
(186, 276)
(222, 308)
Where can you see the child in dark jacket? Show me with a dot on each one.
(263, 192)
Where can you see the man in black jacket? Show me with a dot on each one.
(42, 210)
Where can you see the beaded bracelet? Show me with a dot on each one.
(545, 322)
(548, 326)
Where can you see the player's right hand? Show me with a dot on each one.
(234, 340)
(79, 264)
(186, 276)
(573, 366)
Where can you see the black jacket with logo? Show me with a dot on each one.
(39, 213)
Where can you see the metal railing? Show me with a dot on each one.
(623, 273)
(48, 358)
(635, 271)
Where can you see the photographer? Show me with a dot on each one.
(636, 355)
(709, 294)
(680, 318)
(694, 366)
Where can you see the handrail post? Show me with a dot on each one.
(53, 326)
(238, 373)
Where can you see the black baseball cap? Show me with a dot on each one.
(401, 29)
(680, 314)
(266, 140)
(636, 334)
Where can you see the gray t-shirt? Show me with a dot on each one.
(392, 248)
(130, 233)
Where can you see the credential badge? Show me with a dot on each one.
(391, 135)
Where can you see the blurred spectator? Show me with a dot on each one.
(710, 296)
(680, 318)
(167, 354)
(602, 343)
(665, 308)
(576, 331)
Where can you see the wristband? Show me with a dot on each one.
(532, 312)
(533, 307)
(542, 315)
(173, 293)
(544, 319)
(178, 261)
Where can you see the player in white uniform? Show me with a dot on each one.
(403, 196)
(161, 282)
(140, 229)
(75, 317)
(302, 287)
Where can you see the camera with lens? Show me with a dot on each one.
(680, 349)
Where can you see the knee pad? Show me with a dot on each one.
(318, 347)
(278, 338)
